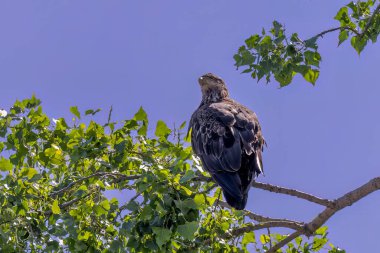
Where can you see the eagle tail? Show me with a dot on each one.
(232, 189)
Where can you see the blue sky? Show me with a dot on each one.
(324, 139)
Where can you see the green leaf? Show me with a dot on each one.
(247, 58)
(31, 172)
(188, 136)
(84, 235)
(143, 129)
(311, 76)
(132, 206)
(146, 213)
(5, 164)
(248, 238)
(342, 16)
(55, 207)
(92, 112)
(74, 110)
(238, 60)
(252, 41)
(264, 239)
(186, 190)
(294, 38)
(186, 205)
(162, 235)
(312, 58)
(190, 174)
(312, 42)
(32, 102)
(162, 129)
(321, 231)
(246, 71)
(284, 77)
(343, 35)
(188, 230)
(200, 200)
(105, 204)
(358, 43)
(141, 115)
(182, 126)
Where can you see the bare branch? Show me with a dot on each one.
(301, 229)
(236, 232)
(261, 218)
(337, 28)
(346, 200)
(292, 192)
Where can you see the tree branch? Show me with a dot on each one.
(236, 232)
(360, 34)
(337, 28)
(370, 21)
(282, 190)
(68, 203)
(100, 173)
(282, 243)
(294, 193)
(346, 200)
(261, 218)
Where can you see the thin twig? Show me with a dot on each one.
(123, 207)
(337, 28)
(100, 173)
(261, 218)
(68, 203)
(253, 227)
(292, 192)
(109, 116)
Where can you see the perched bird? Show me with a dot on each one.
(227, 137)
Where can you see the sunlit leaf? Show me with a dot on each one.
(55, 207)
(74, 110)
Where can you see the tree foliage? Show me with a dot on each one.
(57, 180)
(57, 177)
(276, 55)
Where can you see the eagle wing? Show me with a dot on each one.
(222, 133)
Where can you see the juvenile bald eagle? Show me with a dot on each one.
(227, 137)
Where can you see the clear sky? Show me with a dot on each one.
(324, 139)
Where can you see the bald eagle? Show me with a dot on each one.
(227, 138)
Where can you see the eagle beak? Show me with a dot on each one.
(200, 79)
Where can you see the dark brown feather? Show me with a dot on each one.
(227, 137)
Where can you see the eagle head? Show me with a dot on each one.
(213, 88)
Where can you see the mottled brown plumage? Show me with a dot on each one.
(227, 138)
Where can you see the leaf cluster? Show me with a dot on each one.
(275, 54)
(57, 180)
